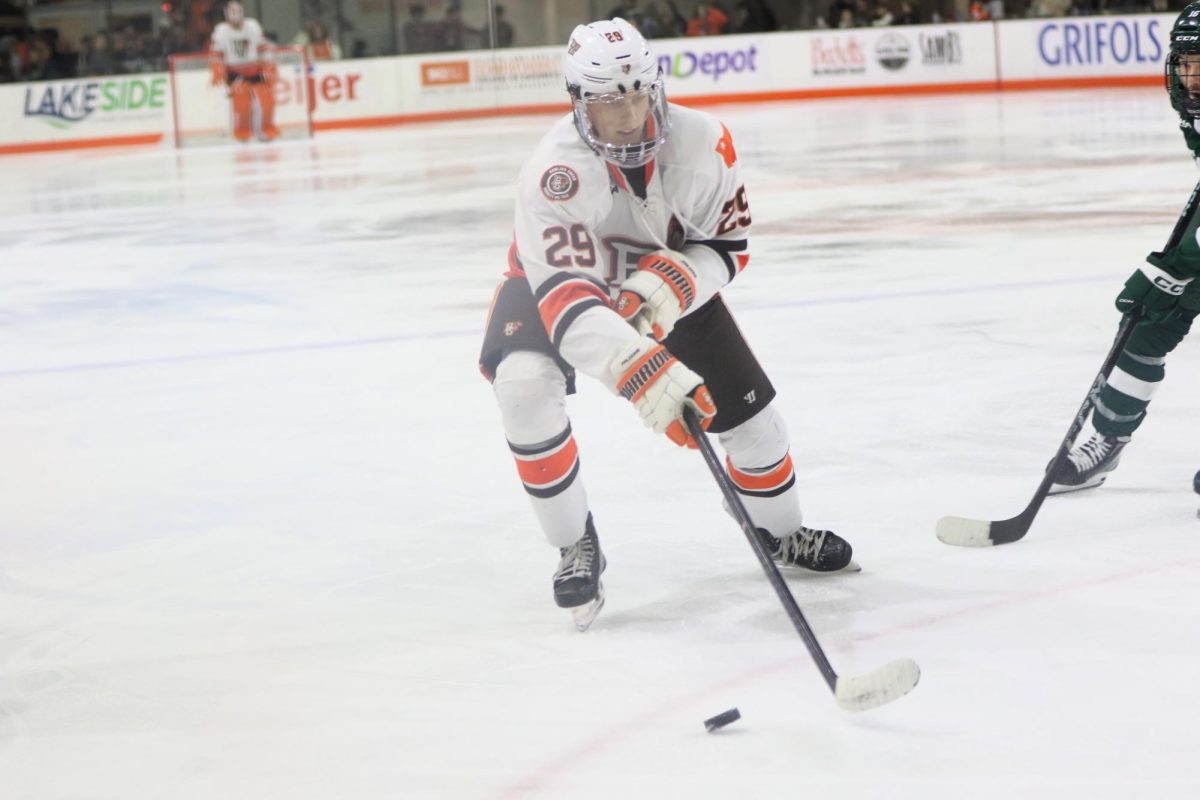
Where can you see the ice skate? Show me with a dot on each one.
(1088, 464)
(577, 583)
(819, 551)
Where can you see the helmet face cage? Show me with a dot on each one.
(1184, 41)
(607, 65)
(654, 130)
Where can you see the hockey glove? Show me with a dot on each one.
(1154, 290)
(217, 68)
(654, 297)
(661, 387)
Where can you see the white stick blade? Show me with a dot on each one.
(963, 532)
(880, 687)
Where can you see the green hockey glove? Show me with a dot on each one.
(1153, 289)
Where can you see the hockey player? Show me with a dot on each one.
(238, 47)
(630, 218)
(1163, 289)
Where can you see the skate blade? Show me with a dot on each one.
(586, 614)
(796, 569)
(1062, 488)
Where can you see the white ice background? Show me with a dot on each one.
(261, 537)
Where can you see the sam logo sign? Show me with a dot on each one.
(892, 51)
(63, 104)
(1100, 41)
(940, 48)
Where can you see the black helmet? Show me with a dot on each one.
(1185, 40)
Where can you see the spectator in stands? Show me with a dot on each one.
(503, 28)
(98, 59)
(754, 16)
(419, 33)
(8, 58)
(320, 47)
(626, 10)
(453, 33)
(659, 22)
(881, 15)
(978, 11)
(906, 15)
(707, 21)
(175, 40)
(848, 13)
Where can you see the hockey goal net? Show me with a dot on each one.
(203, 113)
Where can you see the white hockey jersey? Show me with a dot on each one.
(581, 227)
(239, 46)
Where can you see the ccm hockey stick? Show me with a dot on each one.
(966, 532)
(980, 533)
(857, 693)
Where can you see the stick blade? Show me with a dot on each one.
(963, 532)
(879, 687)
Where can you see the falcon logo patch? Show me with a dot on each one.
(560, 183)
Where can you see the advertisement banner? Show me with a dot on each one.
(917, 55)
(720, 65)
(126, 108)
(1077, 49)
(517, 77)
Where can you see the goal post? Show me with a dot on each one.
(202, 113)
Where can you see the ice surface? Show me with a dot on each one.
(261, 537)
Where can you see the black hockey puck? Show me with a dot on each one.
(1196, 482)
(722, 719)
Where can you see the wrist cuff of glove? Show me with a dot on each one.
(675, 272)
(638, 367)
(1161, 279)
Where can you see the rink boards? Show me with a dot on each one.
(1018, 54)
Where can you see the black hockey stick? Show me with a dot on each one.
(966, 532)
(858, 693)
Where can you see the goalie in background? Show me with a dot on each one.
(1163, 288)
(238, 49)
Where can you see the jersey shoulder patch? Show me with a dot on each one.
(559, 183)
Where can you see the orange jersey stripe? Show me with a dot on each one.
(563, 297)
(515, 270)
(764, 481)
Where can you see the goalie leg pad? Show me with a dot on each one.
(531, 391)
(264, 93)
(243, 109)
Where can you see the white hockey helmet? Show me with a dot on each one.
(610, 70)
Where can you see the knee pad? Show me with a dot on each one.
(532, 394)
(758, 442)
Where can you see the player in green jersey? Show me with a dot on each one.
(1162, 289)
